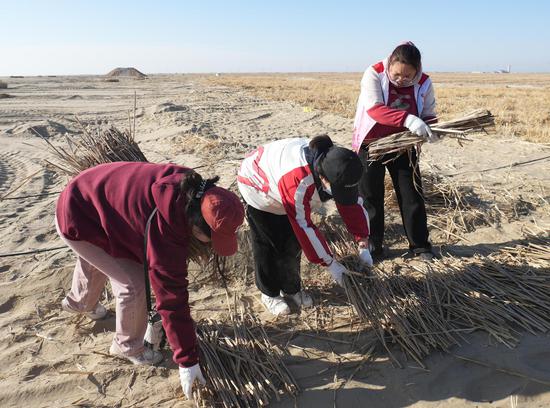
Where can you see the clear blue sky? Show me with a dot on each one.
(92, 37)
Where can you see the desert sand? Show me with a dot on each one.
(52, 359)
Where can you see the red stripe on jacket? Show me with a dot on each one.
(292, 186)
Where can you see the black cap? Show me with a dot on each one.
(343, 169)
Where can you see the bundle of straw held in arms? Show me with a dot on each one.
(432, 306)
(242, 367)
(475, 121)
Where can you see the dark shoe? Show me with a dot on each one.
(377, 253)
(426, 256)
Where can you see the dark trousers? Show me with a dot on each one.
(276, 252)
(405, 175)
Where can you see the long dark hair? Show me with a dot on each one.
(407, 54)
(192, 187)
(319, 146)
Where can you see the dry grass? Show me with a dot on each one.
(520, 102)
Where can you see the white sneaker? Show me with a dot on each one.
(147, 357)
(275, 305)
(98, 313)
(302, 299)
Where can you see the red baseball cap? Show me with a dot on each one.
(224, 213)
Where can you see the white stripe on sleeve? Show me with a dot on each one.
(299, 197)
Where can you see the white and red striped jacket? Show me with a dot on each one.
(375, 86)
(277, 178)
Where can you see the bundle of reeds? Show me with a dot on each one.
(431, 306)
(535, 251)
(242, 367)
(96, 147)
(393, 145)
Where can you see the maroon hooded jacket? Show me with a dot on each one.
(108, 206)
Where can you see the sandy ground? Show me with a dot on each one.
(49, 358)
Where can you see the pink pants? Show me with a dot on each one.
(93, 267)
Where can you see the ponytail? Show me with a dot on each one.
(192, 188)
(320, 145)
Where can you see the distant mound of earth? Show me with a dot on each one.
(126, 72)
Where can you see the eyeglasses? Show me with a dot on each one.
(401, 81)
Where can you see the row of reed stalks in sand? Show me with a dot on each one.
(454, 208)
(431, 306)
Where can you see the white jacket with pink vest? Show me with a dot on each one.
(276, 178)
(375, 87)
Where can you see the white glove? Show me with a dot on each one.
(418, 127)
(365, 256)
(187, 378)
(337, 271)
(154, 335)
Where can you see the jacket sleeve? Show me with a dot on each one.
(372, 99)
(388, 116)
(356, 219)
(296, 192)
(428, 111)
(167, 256)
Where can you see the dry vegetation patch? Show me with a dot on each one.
(520, 102)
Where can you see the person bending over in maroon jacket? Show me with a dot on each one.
(102, 216)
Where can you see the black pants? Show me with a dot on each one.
(408, 188)
(276, 251)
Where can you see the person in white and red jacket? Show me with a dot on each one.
(282, 182)
(395, 96)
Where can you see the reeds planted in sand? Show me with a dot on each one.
(92, 148)
(242, 367)
(3, 85)
(454, 208)
(107, 145)
(398, 143)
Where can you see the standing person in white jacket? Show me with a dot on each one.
(281, 182)
(395, 96)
